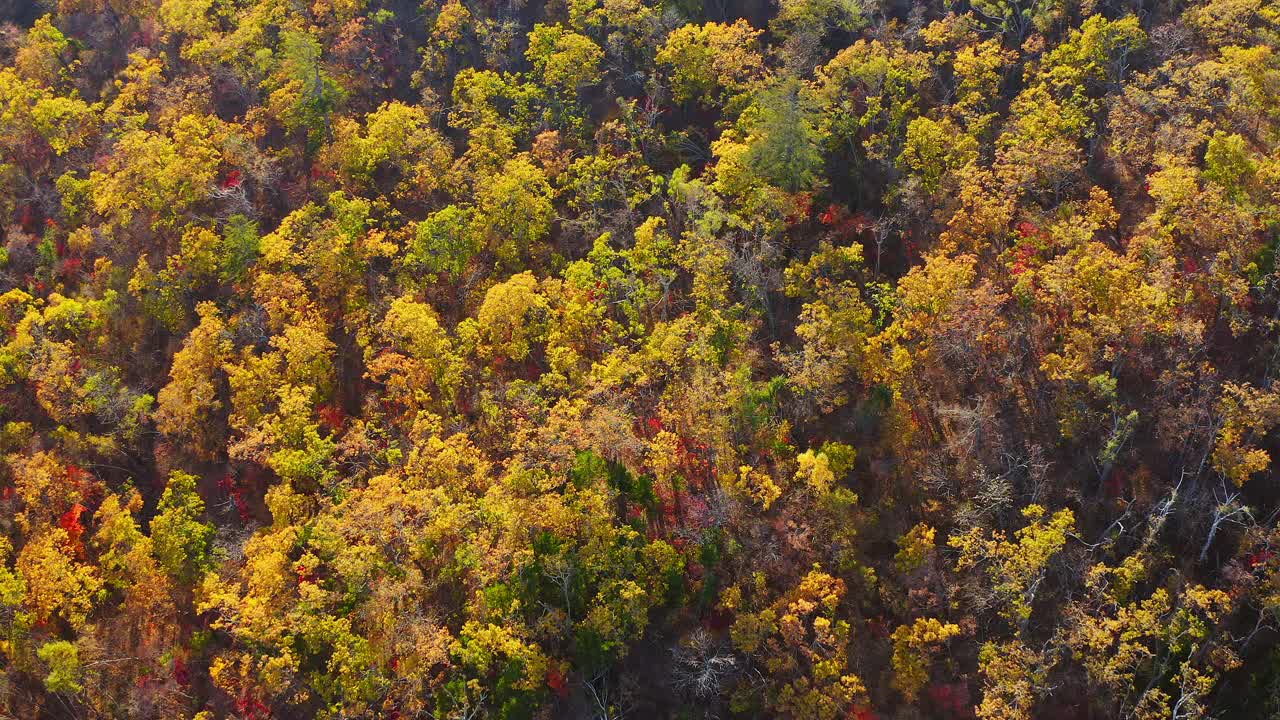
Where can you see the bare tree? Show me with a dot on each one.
(1227, 509)
(702, 665)
(608, 703)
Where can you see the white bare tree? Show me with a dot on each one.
(702, 665)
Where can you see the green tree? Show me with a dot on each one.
(784, 144)
(182, 541)
(64, 667)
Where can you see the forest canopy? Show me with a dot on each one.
(603, 359)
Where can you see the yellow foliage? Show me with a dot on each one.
(913, 648)
(757, 485)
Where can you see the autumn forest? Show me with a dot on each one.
(639, 359)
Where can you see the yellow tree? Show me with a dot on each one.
(803, 647)
(914, 647)
(1017, 566)
(190, 405)
(712, 62)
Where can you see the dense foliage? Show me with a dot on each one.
(611, 358)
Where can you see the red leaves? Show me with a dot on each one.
(250, 707)
(1022, 261)
(71, 267)
(1259, 558)
(465, 406)
(1025, 253)
(558, 683)
(803, 206)
(860, 222)
(181, 674)
(82, 480)
(843, 222)
(306, 574)
(242, 505)
(862, 712)
(952, 699)
(232, 181)
(70, 522)
(236, 492)
(668, 507)
(695, 460)
(332, 416)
